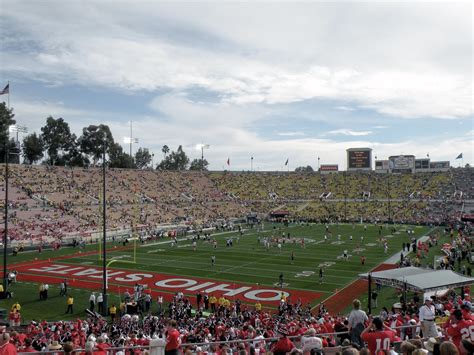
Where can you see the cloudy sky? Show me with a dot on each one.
(272, 80)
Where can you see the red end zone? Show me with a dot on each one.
(119, 280)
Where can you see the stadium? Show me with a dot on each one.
(109, 248)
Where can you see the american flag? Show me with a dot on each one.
(6, 90)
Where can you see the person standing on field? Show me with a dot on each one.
(92, 302)
(70, 303)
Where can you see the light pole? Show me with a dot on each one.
(318, 162)
(152, 161)
(251, 163)
(130, 140)
(389, 198)
(104, 236)
(345, 198)
(202, 147)
(5, 231)
(18, 129)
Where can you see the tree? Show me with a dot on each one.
(304, 169)
(75, 157)
(142, 158)
(57, 139)
(118, 158)
(175, 161)
(6, 120)
(199, 164)
(32, 148)
(92, 140)
(165, 150)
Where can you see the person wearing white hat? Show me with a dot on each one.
(427, 319)
(54, 346)
(429, 345)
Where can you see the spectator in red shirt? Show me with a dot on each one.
(28, 348)
(6, 348)
(172, 339)
(458, 328)
(283, 345)
(377, 335)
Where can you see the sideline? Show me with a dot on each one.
(395, 257)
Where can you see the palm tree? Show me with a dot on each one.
(165, 150)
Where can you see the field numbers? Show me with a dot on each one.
(305, 273)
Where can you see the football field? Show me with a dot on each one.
(250, 269)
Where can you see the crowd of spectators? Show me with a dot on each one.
(51, 203)
(417, 327)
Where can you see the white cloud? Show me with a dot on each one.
(291, 134)
(345, 108)
(182, 122)
(246, 53)
(349, 132)
(406, 60)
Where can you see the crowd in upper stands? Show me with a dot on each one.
(50, 203)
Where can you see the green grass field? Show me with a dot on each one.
(246, 262)
(387, 296)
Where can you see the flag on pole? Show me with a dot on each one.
(459, 156)
(228, 161)
(6, 90)
(286, 163)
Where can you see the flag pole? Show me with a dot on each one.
(8, 99)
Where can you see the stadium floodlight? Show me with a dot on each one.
(129, 140)
(202, 147)
(17, 129)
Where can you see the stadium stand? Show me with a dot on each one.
(50, 203)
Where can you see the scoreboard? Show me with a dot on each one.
(359, 159)
(402, 163)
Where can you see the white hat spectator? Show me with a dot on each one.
(429, 344)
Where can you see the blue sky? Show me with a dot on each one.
(268, 80)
